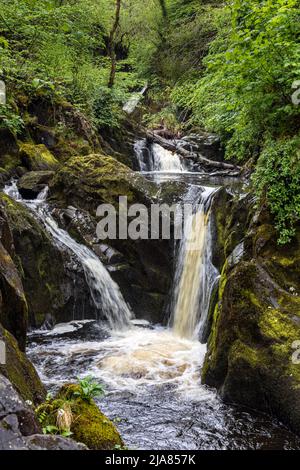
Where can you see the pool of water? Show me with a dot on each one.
(153, 388)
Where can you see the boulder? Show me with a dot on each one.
(19, 428)
(49, 442)
(13, 305)
(32, 183)
(37, 157)
(88, 424)
(252, 354)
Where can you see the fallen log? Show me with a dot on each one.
(171, 145)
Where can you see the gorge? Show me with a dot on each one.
(150, 341)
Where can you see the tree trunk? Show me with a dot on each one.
(170, 145)
(163, 8)
(112, 45)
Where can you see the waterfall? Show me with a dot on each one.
(105, 293)
(195, 275)
(134, 100)
(157, 158)
(164, 160)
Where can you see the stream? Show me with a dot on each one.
(151, 373)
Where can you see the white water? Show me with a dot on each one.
(105, 292)
(137, 358)
(134, 100)
(157, 159)
(195, 275)
(165, 161)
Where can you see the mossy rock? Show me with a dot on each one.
(89, 425)
(32, 183)
(13, 305)
(88, 181)
(37, 157)
(20, 372)
(255, 326)
(9, 162)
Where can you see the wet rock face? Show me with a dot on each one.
(54, 284)
(13, 306)
(251, 354)
(208, 145)
(18, 369)
(142, 268)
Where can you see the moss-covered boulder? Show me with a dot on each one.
(37, 157)
(19, 370)
(84, 419)
(33, 182)
(252, 354)
(96, 179)
(19, 427)
(13, 305)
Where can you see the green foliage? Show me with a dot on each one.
(42, 415)
(277, 180)
(58, 50)
(245, 95)
(10, 120)
(167, 118)
(107, 108)
(54, 430)
(89, 389)
(250, 71)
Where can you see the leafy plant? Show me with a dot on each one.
(89, 389)
(277, 183)
(10, 120)
(54, 430)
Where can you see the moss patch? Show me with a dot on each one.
(89, 425)
(37, 157)
(19, 370)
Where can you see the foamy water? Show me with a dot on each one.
(139, 358)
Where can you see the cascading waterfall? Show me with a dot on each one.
(164, 160)
(105, 293)
(156, 158)
(195, 275)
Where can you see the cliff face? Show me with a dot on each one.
(252, 357)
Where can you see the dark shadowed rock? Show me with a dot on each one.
(41, 442)
(32, 183)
